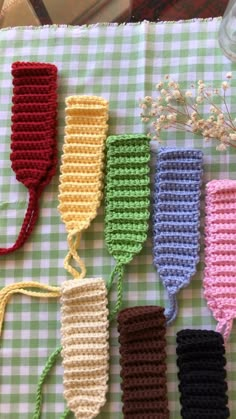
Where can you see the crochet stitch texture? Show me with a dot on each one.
(81, 179)
(33, 138)
(83, 314)
(127, 199)
(176, 219)
(84, 337)
(220, 253)
(202, 374)
(143, 362)
(83, 301)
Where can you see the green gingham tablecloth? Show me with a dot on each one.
(122, 64)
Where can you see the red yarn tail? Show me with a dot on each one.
(30, 219)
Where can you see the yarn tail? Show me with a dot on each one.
(225, 327)
(73, 239)
(39, 395)
(52, 359)
(118, 272)
(172, 311)
(44, 291)
(30, 219)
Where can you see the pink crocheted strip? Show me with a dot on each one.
(220, 253)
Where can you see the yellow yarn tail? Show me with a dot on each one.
(73, 243)
(44, 291)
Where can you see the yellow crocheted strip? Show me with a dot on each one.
(81, 180)
(84, 338)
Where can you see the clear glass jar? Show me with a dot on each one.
(227, 31)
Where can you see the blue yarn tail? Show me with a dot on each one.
(172, 311)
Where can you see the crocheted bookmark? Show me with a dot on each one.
(220, 253)
(127, 199)
(84, 313)
(80, 197)
(202, 375)
(143, 362)
(33, 156)
(176, 219)
(84, 330)
(33, 138)
(81, 179)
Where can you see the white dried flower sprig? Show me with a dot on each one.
(175, 108)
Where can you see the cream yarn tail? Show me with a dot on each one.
(84, 337)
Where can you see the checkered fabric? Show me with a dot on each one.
(122, 64)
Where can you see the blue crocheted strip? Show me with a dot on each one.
(176, 219)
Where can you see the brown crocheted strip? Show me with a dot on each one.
(152, 334)
(134, 314)
(143, 362)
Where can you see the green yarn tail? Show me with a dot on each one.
(39, 394)
(66, 414)
(118, 272)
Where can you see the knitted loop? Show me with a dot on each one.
(220, 253)
(176, 219)
(25, 288)
(126, 202)
(33, 139)
(143, 362)
(84, 331)
(81, 170)
(202, 374)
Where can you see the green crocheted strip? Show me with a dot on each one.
(127, 200)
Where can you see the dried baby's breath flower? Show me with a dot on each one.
(225, 85)
(177, 109)
(188, 93)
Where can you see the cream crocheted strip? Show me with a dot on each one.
(84, 337)
(81, 179)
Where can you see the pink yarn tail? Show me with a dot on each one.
(224, 327)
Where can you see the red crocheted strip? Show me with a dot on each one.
(33, 138)
(143, 362)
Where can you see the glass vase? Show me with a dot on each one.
(227, 31)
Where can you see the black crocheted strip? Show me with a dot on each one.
(202, 375)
